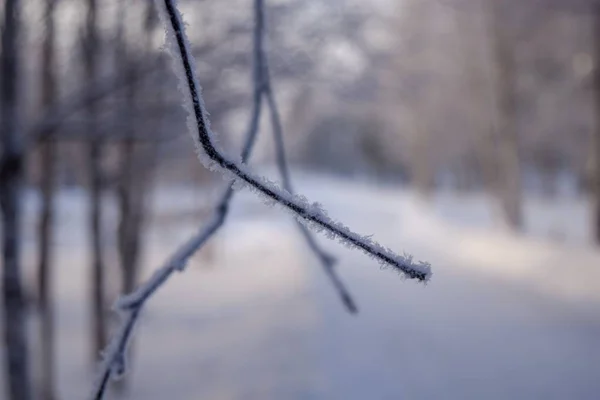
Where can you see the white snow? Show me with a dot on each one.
(505, 317)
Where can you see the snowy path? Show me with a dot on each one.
(463, 337)
(262, 323)
(479, 331)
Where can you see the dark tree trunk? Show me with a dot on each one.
(130, 187)
(97, 276)
(423, 171)
(507, 139)
(11, 175)
(478, 109)
(128, 234)
(130, 205)
(47, 186)
(135, 170)
(596, 134)
(96, 185)
(45, 272)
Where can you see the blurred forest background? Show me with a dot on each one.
(480, 110)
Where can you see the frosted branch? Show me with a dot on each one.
(130, 306)
(114, 360)
(326, 259)
(214, 158)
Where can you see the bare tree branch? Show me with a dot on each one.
(214, 158)
(264, 81)
(114, 360)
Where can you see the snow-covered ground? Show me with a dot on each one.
(503, 317)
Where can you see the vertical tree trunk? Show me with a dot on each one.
(97, 276)
(96, 185)
(422, 166)
(507, 139)
(48, 156)
(421, 67)
(11, 175)
(480, 110)
(596, 133)
(46, 333)
(128, 234)
(130, 187)
(133, 176)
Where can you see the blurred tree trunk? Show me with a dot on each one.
(131, 216)
(47, 186)
(94, 145)
(596, 133)
(548, 163)
(135, 169)
(136, 159)
(479, 106)
(11, 176)
(418, 70)
(506, 135)
(422, 166)
(127, 115)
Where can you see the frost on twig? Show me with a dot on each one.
(113, 358)
(311, 215)
(214, 158)
(327, 260)
(263, 88)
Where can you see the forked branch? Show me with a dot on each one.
(114, 361)
(214, 158)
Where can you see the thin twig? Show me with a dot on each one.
(213, 158)
(114, 356)
(113, 362)
(131, 305)
(326, 259)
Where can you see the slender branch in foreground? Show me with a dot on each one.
(326, 259)
(114, 360)
(214, 158)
